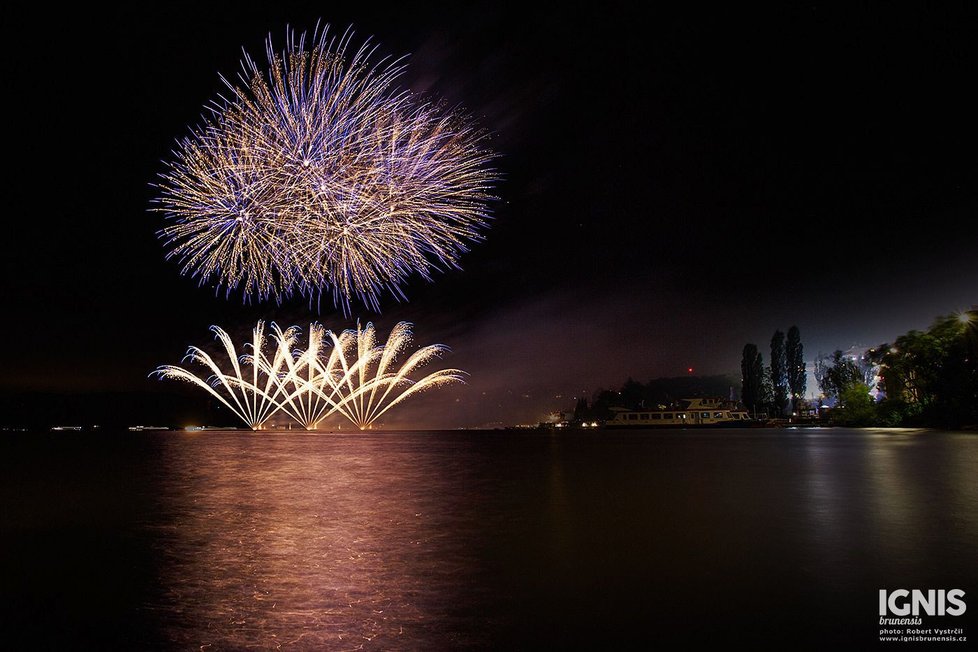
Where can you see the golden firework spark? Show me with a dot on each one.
(350, 374)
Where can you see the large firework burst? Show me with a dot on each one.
(320, 176)
(350, 374)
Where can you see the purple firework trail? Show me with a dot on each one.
(318, 175)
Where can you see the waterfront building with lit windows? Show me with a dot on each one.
(691, 412)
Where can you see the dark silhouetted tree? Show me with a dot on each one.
(752, 378)
(837, 374)
(633, 394)
(603, 401)
(779, 374)
(797, 374)
(931, 377)
(581, 411)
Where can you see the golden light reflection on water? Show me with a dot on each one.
(311, 542)
(888, 502)
(454, 540)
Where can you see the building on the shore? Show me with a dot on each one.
(686, 413)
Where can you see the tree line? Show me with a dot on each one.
(773, 390)
(923, 378)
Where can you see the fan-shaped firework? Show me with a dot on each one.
(350, 374)
(319, 175)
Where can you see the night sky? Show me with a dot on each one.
(675, 184)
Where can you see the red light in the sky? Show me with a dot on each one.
(689, 369)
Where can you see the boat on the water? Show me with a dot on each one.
(690, 413)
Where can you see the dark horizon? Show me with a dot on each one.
(182, 406)
(674, 185)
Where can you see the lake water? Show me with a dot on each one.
(478, 540)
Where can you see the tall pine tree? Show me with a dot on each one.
(797, 374)
(779, 373)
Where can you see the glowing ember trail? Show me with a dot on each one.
(350, 374)
(320, 176)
